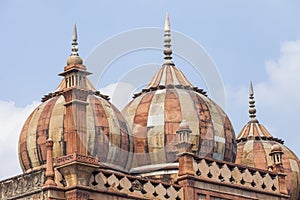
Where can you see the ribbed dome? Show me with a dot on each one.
(79, 120)
(255, 144)
(253, 149)
(107, 133)
(155, 115)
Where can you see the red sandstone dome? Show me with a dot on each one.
(155, 115)
(255, 144)
(78, 119)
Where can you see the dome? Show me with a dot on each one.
(107, 133)
(255, 144)
(79, 120)
(184, 125)
(276, 148)
(155, 114)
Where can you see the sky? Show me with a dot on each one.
(245, 40)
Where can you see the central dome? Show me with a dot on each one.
(155, 115)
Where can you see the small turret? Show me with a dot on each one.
(184, 140)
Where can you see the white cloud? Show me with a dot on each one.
(120, 93)
(11, 122)
(282, 87)
(277, 98)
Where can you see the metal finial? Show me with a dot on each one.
(74, 42)
(167, 40)
(74, 58)
(251, 89)
(252, 109)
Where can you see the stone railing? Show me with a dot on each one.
(233, 174)
(18, 185)
(135, 186)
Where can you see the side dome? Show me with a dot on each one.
(79, 120)
(255, 144)
(106, 133)
(155, 114)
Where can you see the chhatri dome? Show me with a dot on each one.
(155, 114)
(78, 119)
(255, 147)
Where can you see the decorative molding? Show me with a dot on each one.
(77, 195)
(76, 157)
(22, 184)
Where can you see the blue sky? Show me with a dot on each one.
(247, 40)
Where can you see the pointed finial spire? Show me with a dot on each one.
(74, 42)
(252, 109)
(167, 22)
(167, 40)
(74, 58)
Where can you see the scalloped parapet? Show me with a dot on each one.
(239, 176)
(135, 186)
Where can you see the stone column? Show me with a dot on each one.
(49, 165)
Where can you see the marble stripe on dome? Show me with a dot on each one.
(31, 134)
(219, 134)
(56, 126)
(169, 77)
(102, 129)
(247, 154)
(129, 111)
(114, 132)
(124, 138)
(156, 79)
(260, 154)
(173, 117)
(251, 131)
(265, 132)
(163, 77)
(43, 129)
(267, 145)
(259, 131)
(24, 158)
(189, 113)
(182, 78)
(175, 80)
(155, 128)
(139, 130)
(90, 127)
(243, 133)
